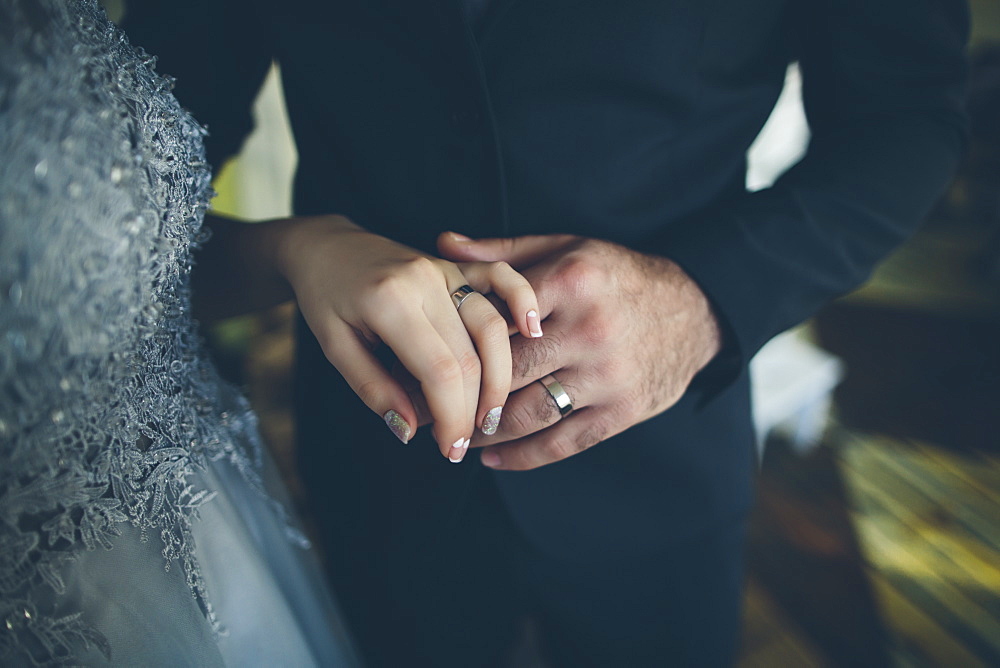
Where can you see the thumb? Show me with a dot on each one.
(516, 251)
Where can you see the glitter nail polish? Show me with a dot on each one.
(492, 421)
(398, 425)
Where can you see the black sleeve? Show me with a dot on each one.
(883, 85)
(219, 53)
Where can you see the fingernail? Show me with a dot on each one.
(534, 324)
(397, 425)
(492, 421)
(459, 237)
(490, 458)
(458, 450)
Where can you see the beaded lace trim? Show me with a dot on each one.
(107, 404)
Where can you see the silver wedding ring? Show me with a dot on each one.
(558, 394)
(459, 296)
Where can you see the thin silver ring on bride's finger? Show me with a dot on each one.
(459, 296)
(558, 394)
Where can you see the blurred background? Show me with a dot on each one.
(876, 535)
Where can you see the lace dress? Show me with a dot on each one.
(138, 524)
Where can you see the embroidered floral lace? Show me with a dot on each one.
(107, 404)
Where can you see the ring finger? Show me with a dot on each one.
(533, 408)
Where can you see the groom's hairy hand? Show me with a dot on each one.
(625, 333)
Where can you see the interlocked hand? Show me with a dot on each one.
(625, 333)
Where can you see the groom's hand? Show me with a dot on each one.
(624, 335)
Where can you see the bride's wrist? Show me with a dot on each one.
(291, 239)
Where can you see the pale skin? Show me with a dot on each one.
(357, 290)
(625, 333)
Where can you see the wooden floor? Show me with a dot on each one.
(874, 551)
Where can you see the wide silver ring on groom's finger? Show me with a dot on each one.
(558, 394)
(459, 296)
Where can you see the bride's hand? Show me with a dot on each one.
(356, 289)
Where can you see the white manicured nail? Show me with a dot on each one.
(457, 451)
(534, 324)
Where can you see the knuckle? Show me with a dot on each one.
(444, 370)
(500, 270)
(494, 330)
(327, 343)
(580, 275)
(419, 272)
(328, 338)
(369, 392)
(517, 421)
(596, 329)
(562, 448)
(469, 364)
(420, 267)
(389, 288)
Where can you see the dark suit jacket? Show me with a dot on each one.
(626, 120)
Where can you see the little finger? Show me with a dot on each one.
(373, 384)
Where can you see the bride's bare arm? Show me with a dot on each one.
(235, 272)
(357, 290)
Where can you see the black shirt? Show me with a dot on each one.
(627, 121)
